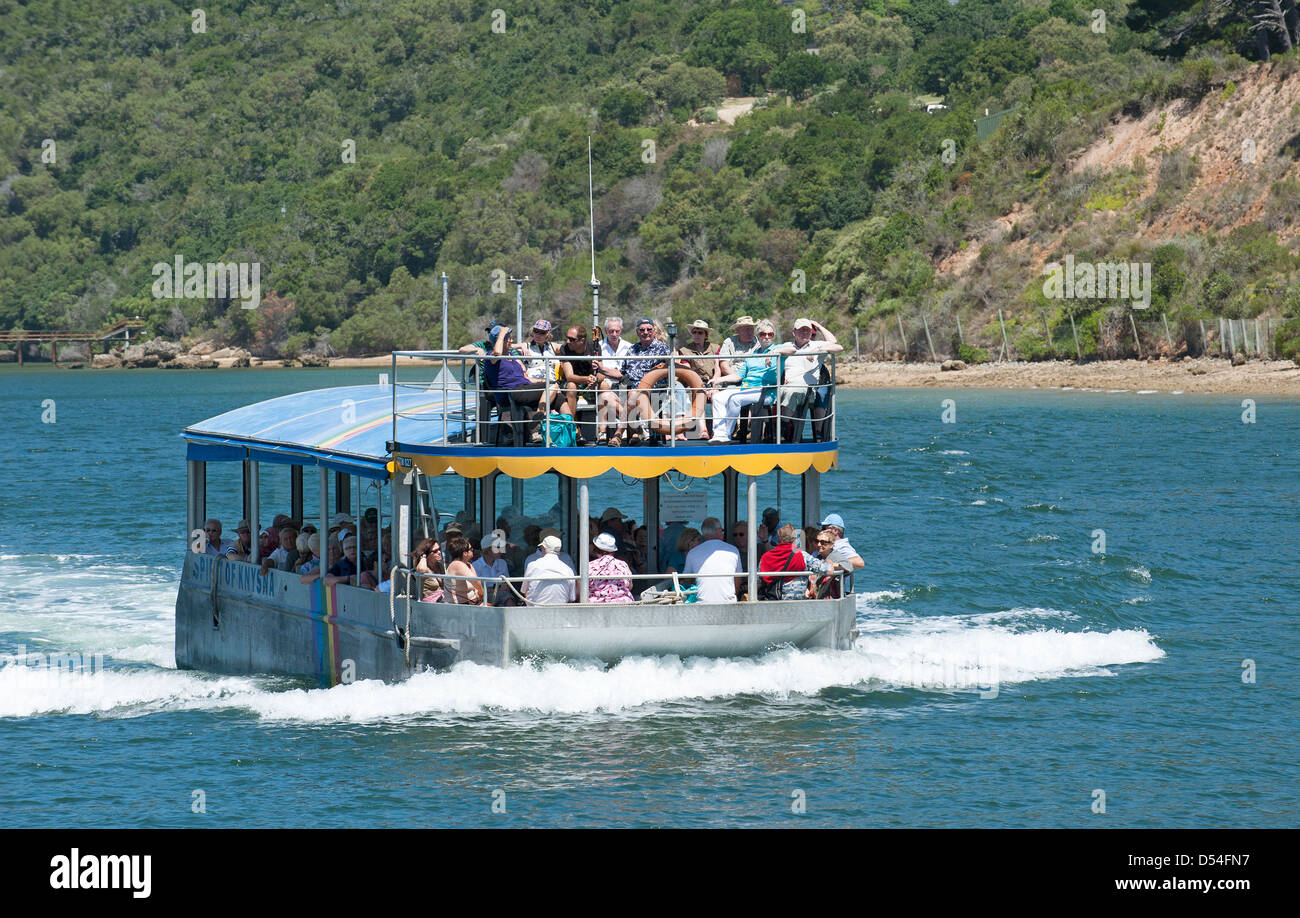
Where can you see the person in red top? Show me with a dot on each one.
(786, 556)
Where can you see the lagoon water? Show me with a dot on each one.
(1007, 673)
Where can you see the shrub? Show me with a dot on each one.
(971, 354)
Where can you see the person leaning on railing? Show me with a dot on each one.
(786, 558)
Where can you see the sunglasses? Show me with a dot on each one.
(579, 338)
(767, 334)
(825, 542)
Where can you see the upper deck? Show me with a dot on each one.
(441, 417)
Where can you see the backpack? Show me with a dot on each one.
(558, 430)
(770, 591)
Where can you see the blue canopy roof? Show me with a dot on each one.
(345, 428)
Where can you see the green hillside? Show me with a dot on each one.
(357, 149)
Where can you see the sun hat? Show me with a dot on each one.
(743, 320)
(605, 542)
(243, 526)
(834, 519)
(340, 518)
(700, 323)
(611, 513)
(551, 544)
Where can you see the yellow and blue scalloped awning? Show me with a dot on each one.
(700, 461)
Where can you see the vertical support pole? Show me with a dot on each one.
(342, 496)
(324, 538)
(902, 334)
(195, 485)
(246, 504)
(444, 316)
(584, 540)
(516, 499)
(487, 502)
(400, 540)
(54, 352)
(1078, 351)
(751, 559)
(812, 499)
(1006, 345)
(471, 494)
(928, 340)
(650, 508)
(961, 335)
(295, 492)
(254, 519)
(1136, 342)
(857, 344)
(1232, 339)
(1168, 337)
(1205, 344)
(729, 515)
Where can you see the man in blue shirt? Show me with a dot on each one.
(648, 347)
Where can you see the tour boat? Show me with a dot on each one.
(393, 445)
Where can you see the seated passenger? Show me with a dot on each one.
(563, 555)
(242, 548)
(548, 580)
(492, 566)
(611, 406)
(578, 374)
(606, 565)
(649, 351)
(308, 559)
(464, 592)
(523, 396)
(785, 558)
(285, 557)
(843, 552)
(755, 371)
(824, 586)
(803, 360)
(345, 571)
(427, 560)
(213, 543)
(333, 554)
(712, 555)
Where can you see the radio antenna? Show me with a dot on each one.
(595, 284)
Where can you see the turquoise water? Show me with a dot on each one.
(1118, 671)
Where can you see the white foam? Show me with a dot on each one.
(30, 690)
(1140, 391)
(953, 452)
(1139, 573)
(879, 596)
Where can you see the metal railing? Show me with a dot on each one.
(688, 406)
(841, 578)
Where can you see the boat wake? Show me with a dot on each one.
(979, 654)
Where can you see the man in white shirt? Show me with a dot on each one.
(714, 556)
(741, 343)
(611, 407)
(214, 544)
(491, 565)
(548, 581)
(562, 555)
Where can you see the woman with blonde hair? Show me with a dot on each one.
(754, 372)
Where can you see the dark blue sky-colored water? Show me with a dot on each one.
(1007, 673)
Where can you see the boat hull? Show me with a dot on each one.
(249, 623)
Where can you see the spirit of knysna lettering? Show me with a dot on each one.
(247, 577)
(215, 280)
(103, 871)
(1103, 279)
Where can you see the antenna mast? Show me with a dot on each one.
(595, 284)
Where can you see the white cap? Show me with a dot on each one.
(551, 544)
(802, 323)
(494, 541)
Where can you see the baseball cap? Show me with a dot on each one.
(833, 519)
(541, 325)
(644, 320)
(802, 323)
(551, 544)
(493, 541)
